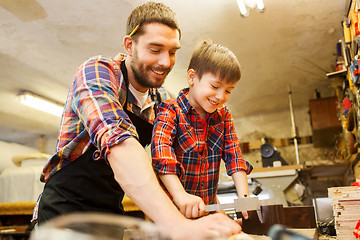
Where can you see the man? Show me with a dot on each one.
(106, 123)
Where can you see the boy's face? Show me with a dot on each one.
(154, 54)
(209, 93)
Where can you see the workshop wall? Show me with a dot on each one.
(272, 125)
(277, 125)
(9, 150)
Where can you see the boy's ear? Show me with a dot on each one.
(128, 44)
(191, 75)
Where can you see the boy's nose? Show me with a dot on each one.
(220, 95)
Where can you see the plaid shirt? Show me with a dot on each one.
(180, 146)
(93, 113)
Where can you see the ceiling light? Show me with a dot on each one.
(246, 5)
(40, 103)
(260, 5)
(242, 7)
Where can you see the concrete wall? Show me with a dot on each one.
(278, 125)
(273, 125)
(9, 150)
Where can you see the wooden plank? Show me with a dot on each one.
(282, 168)
(300, 217)
(278, 142)
(272, 214)
(17, 208)
(337, 192)
(346, 210)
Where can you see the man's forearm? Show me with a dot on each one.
(133, 171)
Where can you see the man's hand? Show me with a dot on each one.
(190, 206)
(208, 227)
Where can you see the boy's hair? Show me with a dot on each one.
(150, 12)
(216, 59)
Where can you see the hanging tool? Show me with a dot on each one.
(355, 70)
(346, 28)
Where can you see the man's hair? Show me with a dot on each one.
(216, 59)
(151, 12)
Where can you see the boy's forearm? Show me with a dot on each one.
(241, 183)
(172, 184)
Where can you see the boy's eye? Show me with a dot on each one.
(213, 86)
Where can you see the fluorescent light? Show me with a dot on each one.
(260, 5)
(242, 8)
(246, 5)
(40, 103)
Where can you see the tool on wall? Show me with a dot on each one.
(354, 19)
(355, 70)
(346, 27)
(345, 53)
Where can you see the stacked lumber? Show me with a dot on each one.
(346, 210)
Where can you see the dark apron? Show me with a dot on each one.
(86, 185)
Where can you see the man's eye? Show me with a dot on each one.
(154, 50)
(173, 52)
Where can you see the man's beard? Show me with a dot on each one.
(140, 73)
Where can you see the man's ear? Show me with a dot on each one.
(191, 75)
(128, 45)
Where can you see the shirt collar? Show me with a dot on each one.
(187, 107)
(183, 101)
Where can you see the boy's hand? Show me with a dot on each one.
(245, 214)
(190, 206)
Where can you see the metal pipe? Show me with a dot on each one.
(293, 126)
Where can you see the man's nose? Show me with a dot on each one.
(164, 60)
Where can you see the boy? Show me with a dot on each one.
(193, 132)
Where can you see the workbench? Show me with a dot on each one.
(15, 218)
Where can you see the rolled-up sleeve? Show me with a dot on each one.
(164, 132)
(96, 103)
(232, 156)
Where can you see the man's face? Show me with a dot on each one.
(154, 54)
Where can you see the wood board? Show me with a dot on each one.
(346, 210)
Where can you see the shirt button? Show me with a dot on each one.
(96, 154)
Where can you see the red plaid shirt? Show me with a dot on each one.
(180, 146)
(93, 112)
